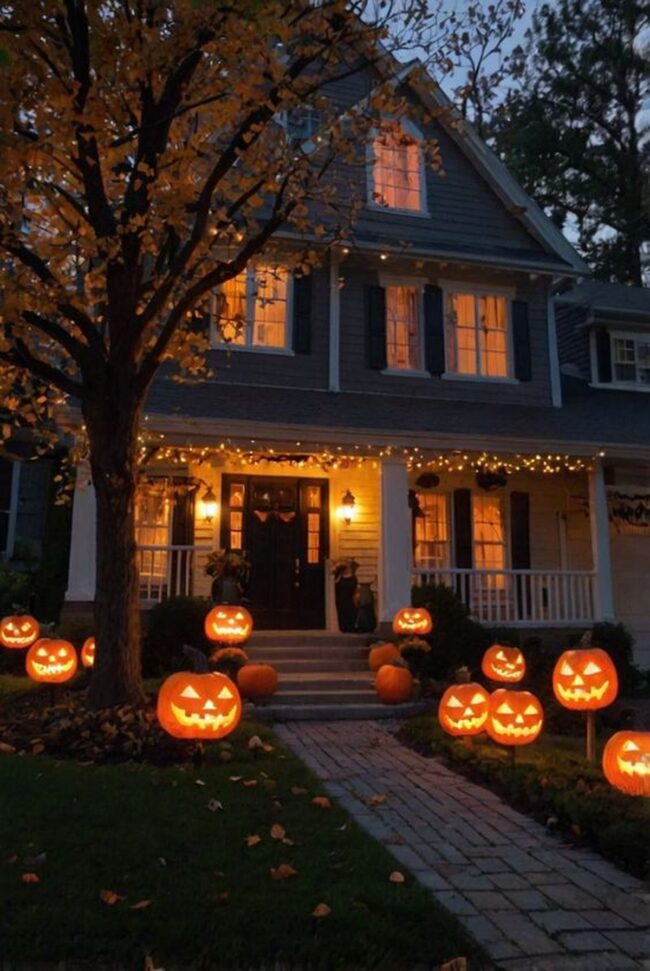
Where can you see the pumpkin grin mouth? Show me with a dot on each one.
(583, 694)
(16, 639)
(508, 672)
(641, 767)
(204, 720)
(460, 723)
(516, 731)
(239, 631)
(49, 669)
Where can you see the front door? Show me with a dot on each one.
(281, 525)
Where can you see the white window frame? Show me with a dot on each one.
(217, 343)
(371, 202)
(626, 335)
(445, 496)
(450, 287)
(417, 283)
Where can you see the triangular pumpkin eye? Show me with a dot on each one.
(592, 668)
(530, 710)
(630, 747)
(189, 692)
(505, 709)
(566, 670)
(41, 652)
(26, 627)
(224, 693)
(478, 699)
(454, 702)
(500, 656)
(62, 652)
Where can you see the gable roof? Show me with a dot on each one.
(608, 301)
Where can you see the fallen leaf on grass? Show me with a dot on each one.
(321, 910)
(6, 747)
(110, 897)
(149, 965)
(397, 877)
(340, 829)
(253, 840)
(457, 964)
(214, 804)
(287, 841)
(283, 872)
(199, 782)
(376, 800)
(141, 905)
(278, 832)
(30, 878)
(322, 802)
(298, 791)
(250, 782)
(235, 778)
(222, 896)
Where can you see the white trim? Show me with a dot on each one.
(600, 545)
(395, 559)
(81, 566)
(553, 355)
(217, 344)
(482, 378)
(334, 325)
(627, 335)
(450, 287)
(406, 373)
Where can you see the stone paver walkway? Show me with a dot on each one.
(530, 900)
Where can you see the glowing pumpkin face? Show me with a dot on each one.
(626, 762)
(463, 709)
(515, 717)
(503, 663)
(88, 652)
(585, 680)
(204, 706)
(229, 624)
(19, 631)
(52, 661)
(412, 620)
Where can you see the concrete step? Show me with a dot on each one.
(345, 712)
(336, 681)
(259, 652)
(306, 638)
(299, 666)
(338, 696)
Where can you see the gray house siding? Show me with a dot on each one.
(572, 342)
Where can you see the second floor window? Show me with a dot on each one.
(397, 170)
(251, 309)
(477, 338)
(403, 328)
(631, 360)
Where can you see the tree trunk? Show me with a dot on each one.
(112, 425)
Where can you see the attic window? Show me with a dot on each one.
(396, 177)
(631, 359)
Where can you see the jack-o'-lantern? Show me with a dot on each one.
(204, 706)
(382, 654)
(515, 717)
(18, 631)
(585, 679)
(463, 709)
(51, 660)
(412, 620)
(501, 663)
(626, 762)
(228, 623)
(394, 684)
(257, 680)
(88, 652)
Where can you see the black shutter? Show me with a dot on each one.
(521, 340)
(302, 314)
(604, 357)
(183, 512)
(520, 530)
(376, 323)
(463, 528)
(434, 333)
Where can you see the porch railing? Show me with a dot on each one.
(520, 597)
(169, 571)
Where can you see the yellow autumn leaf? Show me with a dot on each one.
(278, 832)
(283, 872)
(321, 910)
(141, 905)
(397, 877)
(110, 897)
(30, 878)
(253, 840)
(250, 782)
(322, 802)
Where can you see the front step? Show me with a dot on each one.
(343, 712)
(300, 667)
(315, 681)
(344, 696)
(306, 652)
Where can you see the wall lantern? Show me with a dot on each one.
(348, 507)
(209, 505)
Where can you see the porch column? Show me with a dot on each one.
(599, 521)
(81, 570)
(395, 564)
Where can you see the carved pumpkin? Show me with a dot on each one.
(205, 706)
(51, 660)
(88, 652)
(501, 663)
(515, 717)
(18, 631)
(463, 709)
(585, 679)
(412, 620)
(382, 654)
(257, 680)
(228, 623)
(394, 684)
(626, 762)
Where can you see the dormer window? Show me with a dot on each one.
(396, 169)
(631, 359)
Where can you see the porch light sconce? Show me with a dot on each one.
(209, 505)
(348, 507)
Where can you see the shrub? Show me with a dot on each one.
(172, 623)
(15, 590)
(456, 639)
(617, 640)
(415, 651)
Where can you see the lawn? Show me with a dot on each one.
(192, 887)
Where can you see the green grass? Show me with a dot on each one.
(148, 834)
(551, 778)
(12, 686)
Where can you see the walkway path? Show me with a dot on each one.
(531, 901)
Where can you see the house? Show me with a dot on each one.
(402, 406)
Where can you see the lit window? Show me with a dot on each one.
(397, 170)
(489, 536)
(477, 334)
(631, 360)
(251, 309)
(152, 531)
(403, 328)
(431, 532)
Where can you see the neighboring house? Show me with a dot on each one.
(402, 405)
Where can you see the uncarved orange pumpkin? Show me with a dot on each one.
(626, 762)
(51, 660)
(257, 680)
(412, 620)
(19, 631)
(463, 709)
(514, 717)
(228, 623)
(585, 679)
(205, 706)
(501, 663)
(382, 654)
(88, 652)
(394, 684)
